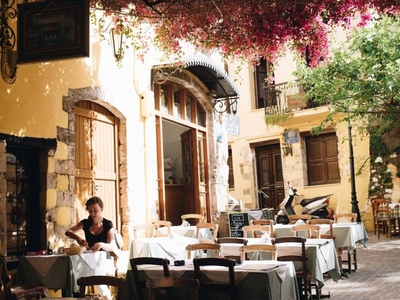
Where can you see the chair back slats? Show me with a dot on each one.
(212, 227)
(347, 216)
(294, 218)
(265, 222)
(135, 262)
(206, 287)
(329, 234)
(313, 231)
(191, 285)
(116, 282)
(258, 248)
(203, 247)
(159, 224)
(256, 230)
(197, 217)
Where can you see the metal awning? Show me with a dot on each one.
(212, 75)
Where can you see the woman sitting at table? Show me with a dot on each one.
(99, 233)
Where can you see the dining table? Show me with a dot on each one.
(187, 231)
(255, 280)
(394, 211)
(61, 271)
(321, 256)
(172, 247)
(347, 235)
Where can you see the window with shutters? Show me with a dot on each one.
(322, 159)
(261, 73)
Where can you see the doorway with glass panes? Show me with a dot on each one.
(182, 153)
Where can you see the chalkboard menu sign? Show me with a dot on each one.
(236, 221)
(268, 214)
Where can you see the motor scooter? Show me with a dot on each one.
(316, 207)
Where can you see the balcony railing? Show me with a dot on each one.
(286, 97)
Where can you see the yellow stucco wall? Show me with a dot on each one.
(253, 129)
(32, 106)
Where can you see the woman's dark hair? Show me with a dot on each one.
(94, 200)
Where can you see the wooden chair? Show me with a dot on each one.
(258, 248)
(148, 229)
(294, 218)
(256, 230)
(203, 247)
(159, 224)
(313, 231)
(386, 223)
(191, 285)
(303, 276)
(232, 240)
(116, 282)
(212, 227)
(197, 217)
(351, 257)
(265, 222)
(331, 236)
(206, 286)
(327, 235)
(18, 292)
(346, 216)
(135, 262)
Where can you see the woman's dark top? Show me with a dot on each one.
(91, 238)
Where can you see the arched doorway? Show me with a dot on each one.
(96, 159)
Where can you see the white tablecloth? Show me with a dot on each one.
(187, 231)
(321, 256)
(347, 235)
(261, 280)
(172, 248)
(62, 271)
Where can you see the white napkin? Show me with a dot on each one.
(185, 223)
(281, 272)
(265, 238)
(90, 259)
(299, 222)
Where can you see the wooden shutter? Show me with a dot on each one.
(322, 159)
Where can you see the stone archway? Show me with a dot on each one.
(66, 167)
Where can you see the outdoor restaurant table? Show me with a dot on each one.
(187, 231)
(347, 235)
(255, 280)
(172, 247)
(394, 211)
(62, 271)
(321, 256)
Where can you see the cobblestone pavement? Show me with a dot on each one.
(378, 274)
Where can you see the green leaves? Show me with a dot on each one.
(362, 78)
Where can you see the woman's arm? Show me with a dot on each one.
(71, 233)
(110, 245)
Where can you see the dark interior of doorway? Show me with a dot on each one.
(175, 205)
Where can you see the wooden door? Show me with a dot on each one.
(270, 176)
(189, 152)
(96, 159)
